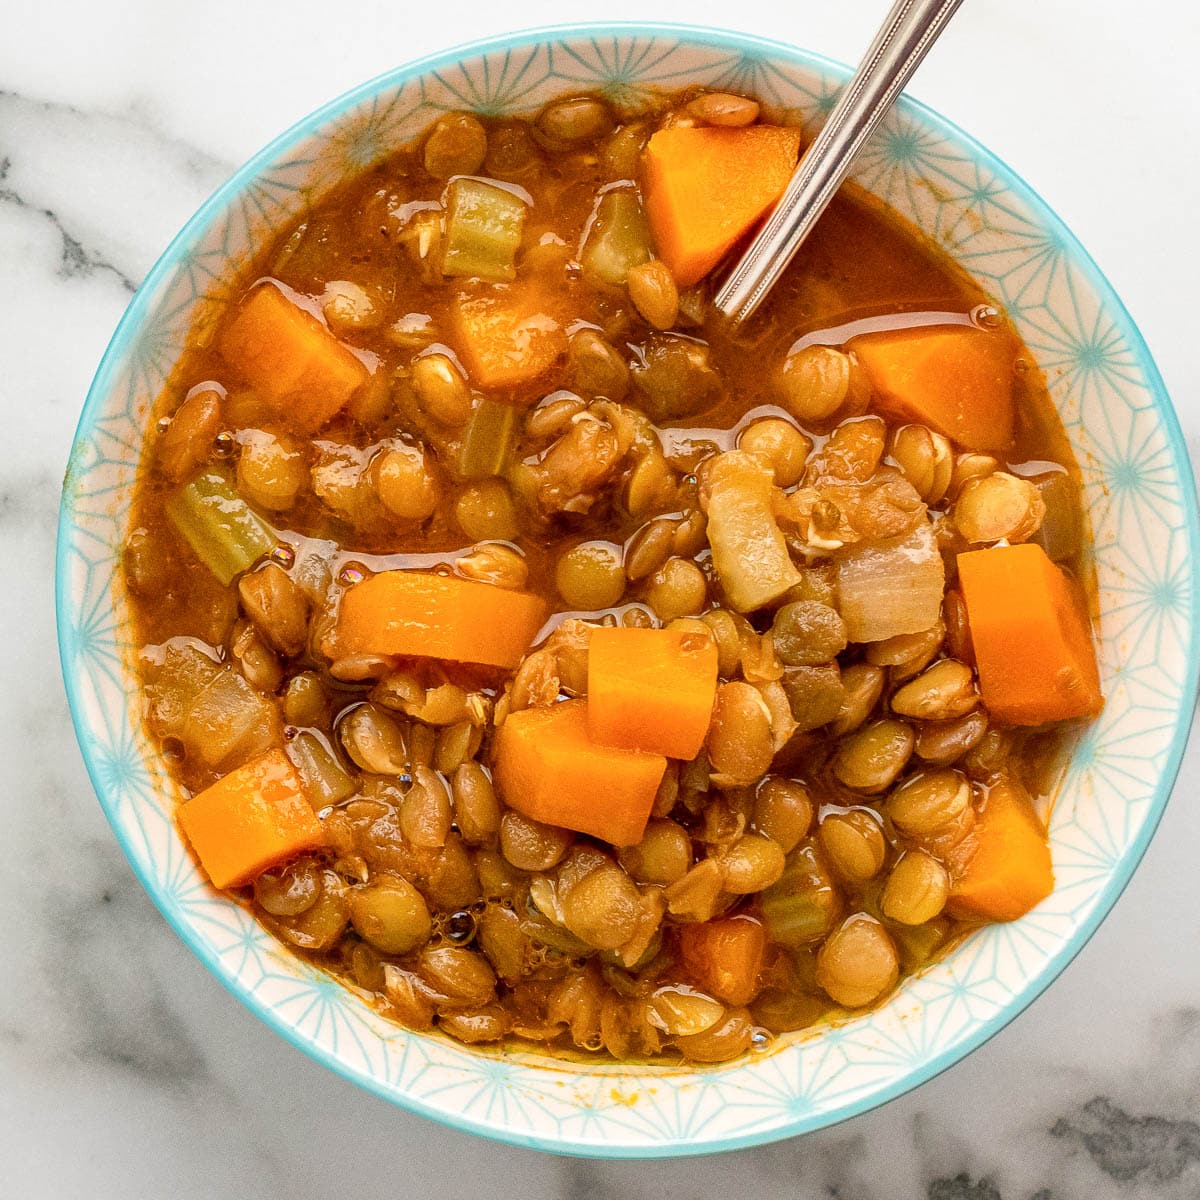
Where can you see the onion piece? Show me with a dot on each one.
(889, 588)
(221, 720)
(748, 548)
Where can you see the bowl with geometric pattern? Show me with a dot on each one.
(1138, 492)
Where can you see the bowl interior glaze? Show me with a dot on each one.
(1139, 495)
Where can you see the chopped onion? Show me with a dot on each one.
(889, 588)
(229, 723)
(545, 898)
(748, 548)
(224, 531)
(220, 719)
(180, 671)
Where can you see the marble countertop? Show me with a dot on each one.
(125, 1069)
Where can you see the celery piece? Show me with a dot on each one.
(324, 779)
(226, 534)
(488, 440)
(803, 905)
(619, 238)
(182, 674)
(1060, 534)
(483, 230)
(891, 587)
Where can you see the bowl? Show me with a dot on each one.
(1138, 492)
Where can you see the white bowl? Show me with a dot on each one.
(1139, 495)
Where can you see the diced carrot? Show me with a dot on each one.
(706, 187)
(958, 381)
(438, 616)
(297, 367)
(1002, 868)
(507, 339)
(548, 768)
(651, 689)
(725, 957)
(1032, 637)
(253, 818)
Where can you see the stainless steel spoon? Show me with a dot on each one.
(901, 44)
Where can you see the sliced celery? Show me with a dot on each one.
(483, 230)
(1060, 535)
(226, 534)
(803, 905)
(919, 943)
(619, 238)
(488, 440)
(182, 674)
(325, 780)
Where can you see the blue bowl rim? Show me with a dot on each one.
(743, 43)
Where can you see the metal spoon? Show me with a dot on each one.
(901, 44)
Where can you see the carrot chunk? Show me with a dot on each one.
(253, 818)
(1002, 868)
(725, 957)
(706, 187)
(291, 360)
(438, 616)
(507, 340)
(957, 381)
(549, 769)
(651, 689)
(1032, 638)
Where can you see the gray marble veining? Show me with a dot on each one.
(125, 1070)
(74, 259)
(78, 150)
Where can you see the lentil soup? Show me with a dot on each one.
(547, 661)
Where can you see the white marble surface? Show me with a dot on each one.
(125, 1070)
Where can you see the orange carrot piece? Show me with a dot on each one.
(548, 768)
(438, 616)
(706, 187)
(507, 340)
(297, 367)
(958, 381)
(1032, 638)
(253, 818)
(651, 689)
(1002, 868)
(725, 957)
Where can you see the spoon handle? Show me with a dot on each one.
(901, 44)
